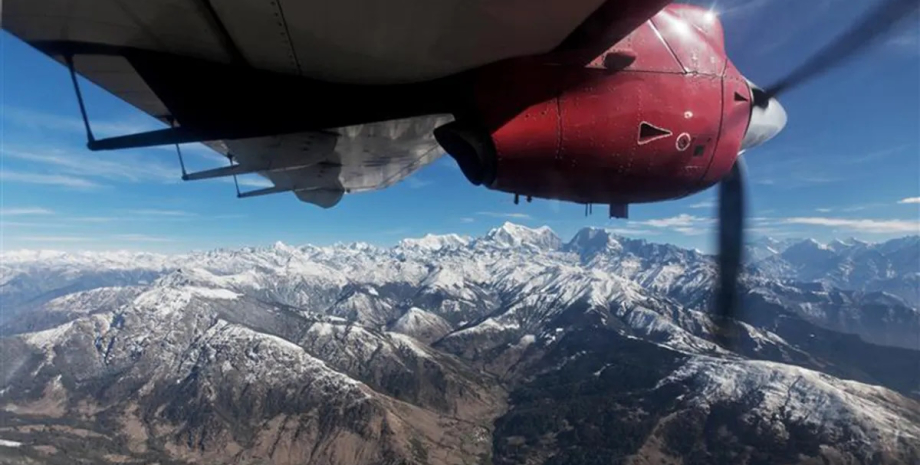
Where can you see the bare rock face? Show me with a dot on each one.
(511, 348)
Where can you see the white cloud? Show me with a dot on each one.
(860, 225)
(851, 208)
(48, 179)
(117, 167)
(58, 238)
(800, 179)
(909, 200)
(29, 224)
(861, 207)
(467, 220)
(685, 224)
(38, 120)
(156, 212)
(415, 182)
(96, 219)
(25, 211)
(682, 220)
(705, 204)
(874, 155)
(689, 231)
(512, 216)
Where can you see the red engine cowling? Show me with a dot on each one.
(660, 115)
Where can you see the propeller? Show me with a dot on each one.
(731, 251)
(767, 119)
(882, 19)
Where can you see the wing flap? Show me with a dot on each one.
(347, 160)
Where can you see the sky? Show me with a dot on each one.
(847, 164)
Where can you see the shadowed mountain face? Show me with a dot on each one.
(511, 348)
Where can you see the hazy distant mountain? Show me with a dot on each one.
(889, 267)
(514, 347)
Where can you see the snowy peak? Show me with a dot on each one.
(839, 245)
(433, 242)
(592, 241)
(422, 325)
(766, 247)
(515, 235)
(282, 247)
(809, 250)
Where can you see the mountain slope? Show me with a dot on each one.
(424, 326)
(513, 347)
(607, 399)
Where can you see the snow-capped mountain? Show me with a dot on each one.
(511, 235)
(851, 264)
(424, 326)
(449, 349)
(433, 242)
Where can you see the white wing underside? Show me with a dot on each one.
(399, 41)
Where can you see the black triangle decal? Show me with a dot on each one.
(648, 133)
(740, 98)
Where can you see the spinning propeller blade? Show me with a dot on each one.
(767, 119)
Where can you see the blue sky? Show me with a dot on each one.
(847, 164)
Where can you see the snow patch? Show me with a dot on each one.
(488, 325)
(416, 320)
(806, 395)
(220, 294)
(321, 329)
(433, 242)
(49, 337)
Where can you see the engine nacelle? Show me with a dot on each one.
(658, 116)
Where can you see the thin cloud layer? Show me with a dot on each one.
(125, 167)
(25, 211)
(860, 225)
(511, 216)
(102, 128)
(684, 224)
(157, 212)
(57, 180)
(683, 220)
(704, 204)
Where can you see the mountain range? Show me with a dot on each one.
(515, 347)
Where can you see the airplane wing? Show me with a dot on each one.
(357, 42)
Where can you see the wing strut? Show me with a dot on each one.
(68, 57)
(171, 135)
(235, 181)
(172, 123)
